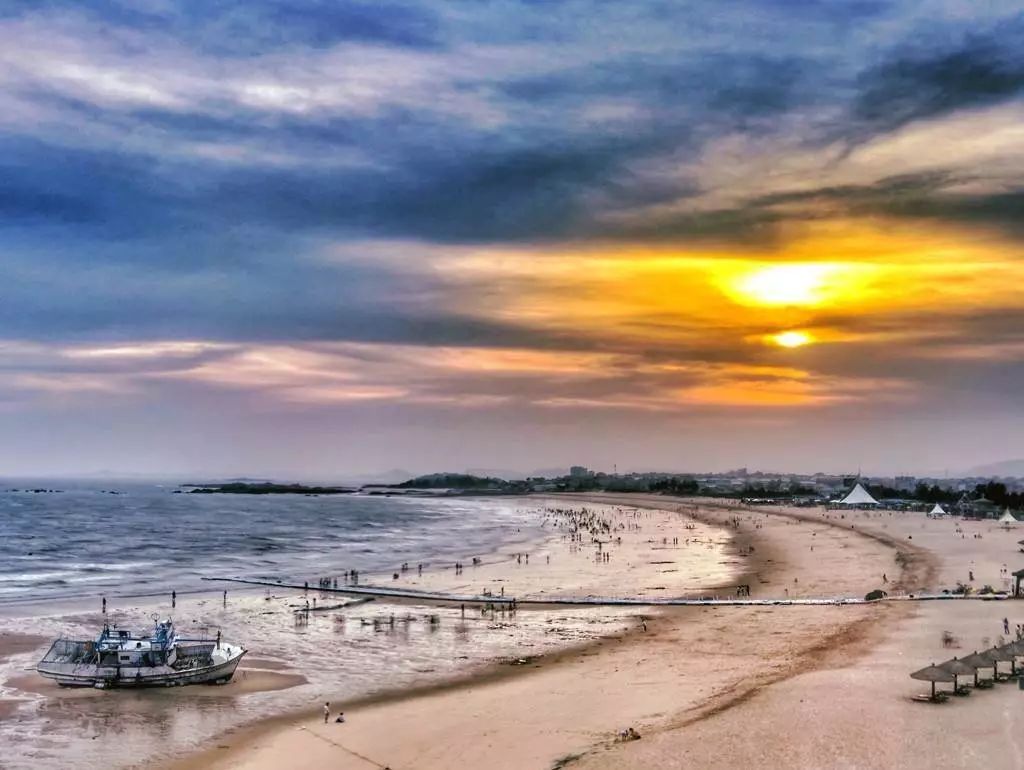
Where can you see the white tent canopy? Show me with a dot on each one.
(938, 510)
(1007, 518)
(858, 496)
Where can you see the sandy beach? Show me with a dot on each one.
(770, 686)
(692, 666)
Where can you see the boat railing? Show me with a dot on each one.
(195, 649)
(70, 651)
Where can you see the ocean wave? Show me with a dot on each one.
(175, 540)
(32, 578)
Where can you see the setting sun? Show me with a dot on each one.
(791, 339)
(791, 284)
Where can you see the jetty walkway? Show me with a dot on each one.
(431, 597)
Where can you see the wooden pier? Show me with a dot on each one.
(432, 597)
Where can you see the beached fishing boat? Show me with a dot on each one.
(120, 659)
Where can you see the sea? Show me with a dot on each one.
(75, 540)
(67, 545)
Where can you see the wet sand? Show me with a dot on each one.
(245, 680)
(12, 645)
(690, 667)
(17, 644)
(371, 654)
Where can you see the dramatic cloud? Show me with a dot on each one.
(932, 77)
(681, 225)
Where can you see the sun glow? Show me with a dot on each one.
(791, 339)
(800, 284)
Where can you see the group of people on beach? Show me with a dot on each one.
(459, 567)
(1019, 629)
(327, 583)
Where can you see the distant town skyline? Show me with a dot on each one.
(316, 240)
(1013, 469)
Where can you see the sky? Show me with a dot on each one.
(317, 239)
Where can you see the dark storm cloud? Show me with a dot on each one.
(86, 193)
(1004, 210)
(929, 195)
(742, 87)
(934, 76)
(531, 194)
(239, 28)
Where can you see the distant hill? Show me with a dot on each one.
(1014, 468)
(463, 484)
(452, 481)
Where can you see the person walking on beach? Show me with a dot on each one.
(327, 711)
(1006, 626)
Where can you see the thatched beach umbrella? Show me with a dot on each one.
(978, 660)
(991, 655)
(957, 668)
(1003, 654)
(1006, 652)
(1017, 649)
(933, 674)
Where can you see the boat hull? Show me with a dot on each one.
(79, 675)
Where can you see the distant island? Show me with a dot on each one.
(464, 482)
(263, 488)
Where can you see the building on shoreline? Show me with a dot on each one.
(859, 498)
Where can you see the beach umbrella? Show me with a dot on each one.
(1016, 649)
(1003, 654)
(933, 674)
(957, 668)
(978, 660)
